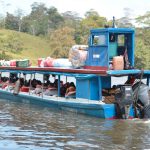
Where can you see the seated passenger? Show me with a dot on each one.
(56, 83)
(33, 83)
(63, 89)
(71, 91)
(5, 83)
(38, 88)
(51, 90)
(13, 76)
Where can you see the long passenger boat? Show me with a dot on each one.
(94, 93)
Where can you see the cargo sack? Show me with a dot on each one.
(62, 62)
(77, 55)
(13, 63)
(45, 62)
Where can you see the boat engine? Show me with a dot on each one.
(124, 99)
(143, 100)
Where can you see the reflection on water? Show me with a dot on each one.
(29, 127)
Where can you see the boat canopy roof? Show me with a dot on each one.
(126, 72)
(73, 72)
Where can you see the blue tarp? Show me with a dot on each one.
(109, 73)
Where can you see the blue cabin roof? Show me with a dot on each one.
(113, 30)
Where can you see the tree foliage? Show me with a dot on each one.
(92, 20)
(72, 20)
(144, 20)
(55, 20)
(142, 53)
(61, 41)
(126, 20)
(11, 22)
(19, 14)
(143, 42)
(37, 19)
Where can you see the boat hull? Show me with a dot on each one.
(106, 111)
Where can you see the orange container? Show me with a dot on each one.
(25, 89)
(118, 63)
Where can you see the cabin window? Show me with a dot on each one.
(121, 40)
(98, 40)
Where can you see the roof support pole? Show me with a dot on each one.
(0, 76)
(148, 81)
(42, 85)
(58, 85)
(9, 81)
(24, 77)
(30, 84)
(100, 87)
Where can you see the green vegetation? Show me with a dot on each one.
(46, 32)
(142, 49)
(17, 45)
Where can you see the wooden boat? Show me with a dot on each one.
(93, 80)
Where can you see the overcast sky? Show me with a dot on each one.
(107, 8)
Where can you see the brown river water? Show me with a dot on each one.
(30, 127)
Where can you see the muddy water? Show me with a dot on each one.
(30, 127)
